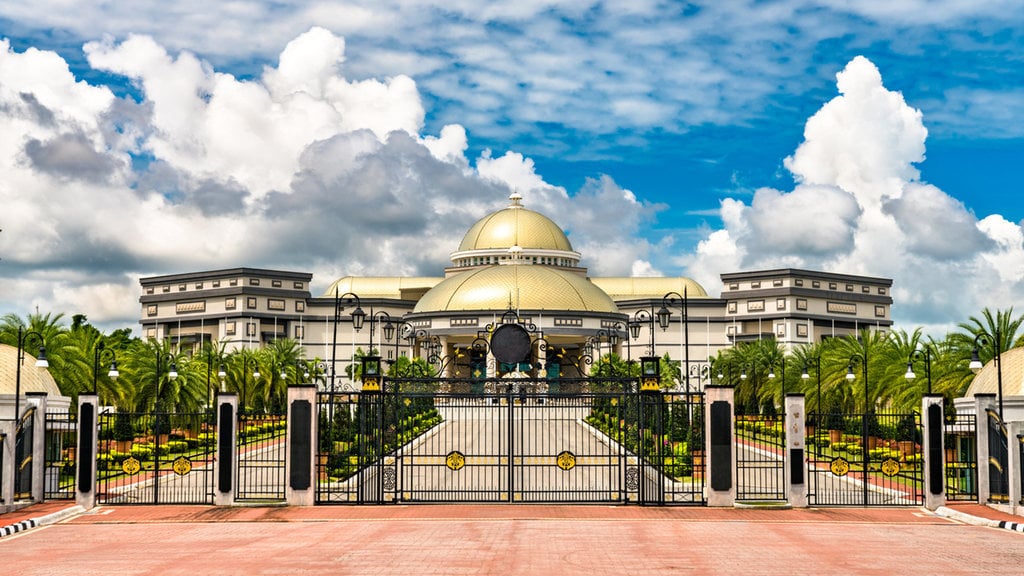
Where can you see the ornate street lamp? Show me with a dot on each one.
(358, 317)
(100, 354)
(172, 374)
(641, 317)
(41, 362)
(916, 355)
(674, 299)
(976, 365)
(816, 362)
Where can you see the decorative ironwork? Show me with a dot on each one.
(182, 466)
(455, 460)
(131, 465)
(632, 479)
(840, 466)
(390, 478)
(566, 460)
(890, 467)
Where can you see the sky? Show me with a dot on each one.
(365, 137)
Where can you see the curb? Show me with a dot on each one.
(976, 521)
(51, 518)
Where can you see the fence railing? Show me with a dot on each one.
(61, 452)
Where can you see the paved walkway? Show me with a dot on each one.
(511, 539)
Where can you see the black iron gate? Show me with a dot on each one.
(961, 453)
(24, 437)
(760, 458)
(865, 460)
(61, 449)
(431, 440)
(261, 458)
(155, 458)
(998, 459)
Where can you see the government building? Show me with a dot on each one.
(513, 265)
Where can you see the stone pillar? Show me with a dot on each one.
(85, 455)
(8, 429)
(983, 402)
(1013, 476)
(38, 399)
(795, 459)
(301, 442)
(225, 464)
(719, 424)
(933, 451)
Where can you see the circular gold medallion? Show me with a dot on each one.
(566, 460)
(182, 466)
(455, 460)
(131, 465)
(890, 467)
(840, 466)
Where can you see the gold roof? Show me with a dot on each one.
(515, 226)
(526, 287)
(987, 380)
(33, 378)
(380, 286)
(627, 288)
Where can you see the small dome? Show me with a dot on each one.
(987, 380)
(33, 378)
(520, 287)
(515, 226)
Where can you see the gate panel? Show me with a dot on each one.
(60, 456)
(962, 458)
(998, 459)
(760, 458)
(23, 455)
(261, 458)
(339, 453)
(865, 460)
(155, 459)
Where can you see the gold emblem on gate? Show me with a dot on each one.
(566, 460)
(182, 466)
(131, 466)
(890, 467)
(455, 460)
(840, 466)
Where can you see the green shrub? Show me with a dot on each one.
(175, 446)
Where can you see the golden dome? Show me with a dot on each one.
(987, 380)
(515, 226)
(525, 287)
(33, 378)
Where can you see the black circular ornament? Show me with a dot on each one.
(510, 343)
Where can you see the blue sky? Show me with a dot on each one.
(667, 138)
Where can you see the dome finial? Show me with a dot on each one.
(516, 198)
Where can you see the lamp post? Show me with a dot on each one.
(771, 374)
(358, 316)
(916, 355)
(664, 315)
(816, 362)
(172, 374)
(41, 362)
(101, 352)
(850, 376)
(976, 365)
(245, 380)
(641, 317)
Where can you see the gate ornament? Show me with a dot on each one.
(182, 466)
(131, 466)
(510, 343)
(890, 467)
(566, 460)
(840, 466)
(455, 460)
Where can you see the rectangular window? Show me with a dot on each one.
(865, 289)
(229, 328)
(881, 291)
(182, 287)
(275, 304)
(755, 306)
(801, 304)
(149, 290)
(801, 330)
(842, 308)
(216, 283)
(780, 329)
(798, 282)
(815, 284)
(166, 289)
(150, 332)
(250, 328)
(776, 283)
(732, 307)
(880, 311)
(300, 332)
(275, 283)
(229, 303)
(849, 287)
(254, 281)
(833, 286)
(298, 285)
(250, 302)
(233, 282)
(189, 307)
(730, 330)
(756, 284)
(780, 303)
(151, 310)
(300, 306)
(199, 285)
(734, 286)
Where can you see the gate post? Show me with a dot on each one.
(226, 448)
(796, 471)
(301, 442)
(933, 450)
(983, 402)
(718, 429)
(8, 433)
(85, 455)
(38, 399)
(1014, 471)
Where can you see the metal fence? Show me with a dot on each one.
(155, 458)
(261, 458)
(961, 451)
(61, 451)
(865, 460)
(998, 459)
(760, 458)
(24, 439)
